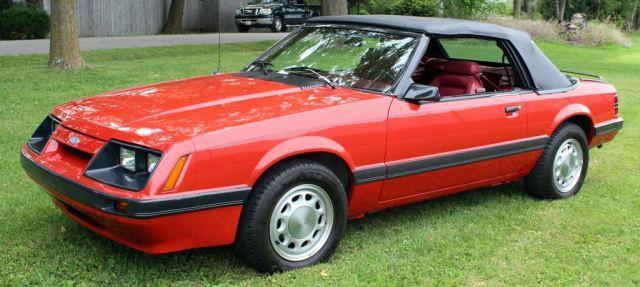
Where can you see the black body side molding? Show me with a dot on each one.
(441, 162)
(609, 127)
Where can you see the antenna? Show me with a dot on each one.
(219, 41)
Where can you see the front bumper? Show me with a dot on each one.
(152, 225)
(263, 21)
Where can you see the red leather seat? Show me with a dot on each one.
(459, 78)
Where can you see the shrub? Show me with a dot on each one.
(416, 8)
(597, 33)
(23, 22)
(5, 4)
(538, 29)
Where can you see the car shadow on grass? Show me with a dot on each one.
(222, 265)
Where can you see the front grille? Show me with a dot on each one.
(77, 152)
(249, 11)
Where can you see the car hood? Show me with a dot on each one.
(167, 112)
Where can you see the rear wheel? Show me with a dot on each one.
(562, 167)
(295, 217)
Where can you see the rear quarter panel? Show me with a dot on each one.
(590, 98)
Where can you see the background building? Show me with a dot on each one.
(99, 18)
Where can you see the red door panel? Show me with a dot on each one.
(424, 139)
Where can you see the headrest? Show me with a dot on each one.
(436, 63)
(462, 68)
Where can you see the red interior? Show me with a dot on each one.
(456, 78)
(459, 78)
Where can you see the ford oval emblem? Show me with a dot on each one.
(74, 140)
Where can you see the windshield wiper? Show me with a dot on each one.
(263, 64)
(312, 71)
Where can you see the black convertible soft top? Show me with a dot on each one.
(544, 74)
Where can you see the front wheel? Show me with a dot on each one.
(243, 28)
(295, 217)
(277, 25)
(562, 167)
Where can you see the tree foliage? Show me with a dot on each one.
(443, 8)
(23, 22)
(620, 12)
(623, 13)
(416, 7)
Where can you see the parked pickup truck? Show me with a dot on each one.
(274, 14)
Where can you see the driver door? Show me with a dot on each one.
(440, 147)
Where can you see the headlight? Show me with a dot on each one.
(43, 133)
(152, 161)
(138, 161)
(238, 11)
(128, 159)
(54, 126)
(123, 165)
(265, 11)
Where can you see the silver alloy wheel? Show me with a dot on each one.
(278, 24)
(301, 222)
(567, 165)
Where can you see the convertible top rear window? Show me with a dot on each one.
(481, 50)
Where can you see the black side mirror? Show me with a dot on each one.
(419, 93)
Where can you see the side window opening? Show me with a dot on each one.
(464, 66)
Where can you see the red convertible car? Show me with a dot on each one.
(346, 116)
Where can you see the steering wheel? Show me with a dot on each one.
(488, 81)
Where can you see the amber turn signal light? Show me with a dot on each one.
(175, 174)
(122, 205)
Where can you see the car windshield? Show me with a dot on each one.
(354, 58)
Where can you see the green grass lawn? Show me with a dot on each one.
(491, 236)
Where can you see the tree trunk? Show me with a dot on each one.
(174, 20)
(560, 5)
(517, 8)
(334, 7)
(64, 45)
(636, 18)
(529, 7)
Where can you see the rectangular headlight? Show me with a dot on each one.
(123, 165)
(128, 159)
(152, 161)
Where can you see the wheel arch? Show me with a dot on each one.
(280, 14)
(579, 115)
(322, 150)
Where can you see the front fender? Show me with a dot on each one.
(298, 146)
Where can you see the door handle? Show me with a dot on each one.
(512, 109)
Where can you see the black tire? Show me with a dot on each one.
(253, 241)
(243, 28)
(540, 183)
(278, 24)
